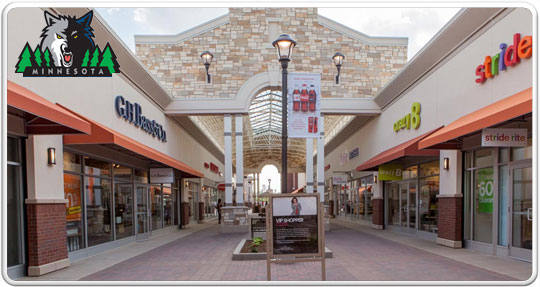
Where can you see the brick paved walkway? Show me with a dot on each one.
(206, 255)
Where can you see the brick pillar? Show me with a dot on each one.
(201, 212)
(449, 220)
(378, 213)
(185, 213)
(47, 239)
(331, 208)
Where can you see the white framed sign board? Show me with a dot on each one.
(161, 175)
(295, 230)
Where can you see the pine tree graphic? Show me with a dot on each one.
(86, 58)
(109, 60)
(25, 59)
(47, 57)
(95, 57)
(38, 56)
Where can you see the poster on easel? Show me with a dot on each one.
(295, 231)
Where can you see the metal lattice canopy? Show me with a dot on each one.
(262, 132)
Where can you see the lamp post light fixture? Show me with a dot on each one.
(338, 61)
(284, 45)
(207, 60)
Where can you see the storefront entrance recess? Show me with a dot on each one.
(143, 212)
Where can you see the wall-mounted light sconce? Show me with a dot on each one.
(375, 179)
(51, 156)
(220, 173)
(207, 57)
(446, 163)
(338, 61)
(186, 184)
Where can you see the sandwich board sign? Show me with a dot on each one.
(295, 231)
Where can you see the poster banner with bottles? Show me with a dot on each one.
(304, 105)
(485, 190)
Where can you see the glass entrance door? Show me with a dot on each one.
(404, 206)
(407, 205)
(412, 206)
(521, 212)
(143, 212)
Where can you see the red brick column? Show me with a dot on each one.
(449, 220)
(201, 212)
(331, 208)
(47, 239)
(378, 213)
(185, 213)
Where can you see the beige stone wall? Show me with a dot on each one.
(242, 48)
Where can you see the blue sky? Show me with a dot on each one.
(418, 24)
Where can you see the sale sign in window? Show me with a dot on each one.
(484, 189)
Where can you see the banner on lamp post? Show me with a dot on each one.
(304, 105)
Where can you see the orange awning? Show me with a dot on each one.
(498, 112)
(408, 148)
(103, 135)
(42, 116)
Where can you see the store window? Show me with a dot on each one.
(479, 193)
(393, 203)
(140, 176)
(98, 208)
(427, 198)
(14, 196)
(521, 153)
(155, 198)
(121, 172)
(123, 209)
(167, 205)
(74, 211)
(95, 167)
(483, 205)
(503, 205)
(410, 172)
(72, 162)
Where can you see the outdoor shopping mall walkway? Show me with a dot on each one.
(205, 254)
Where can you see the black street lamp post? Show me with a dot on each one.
(338, 61)
(207, 57)
(284, 45)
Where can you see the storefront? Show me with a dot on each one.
(497, 174)
(93, 162)
(411, 203)
(451, 151)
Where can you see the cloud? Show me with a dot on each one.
(140, 15)
(112, 10)
(418, 24)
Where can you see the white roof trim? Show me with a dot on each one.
(331, 24)
(183, 36)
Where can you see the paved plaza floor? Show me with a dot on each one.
(360, 253)
(206, 255)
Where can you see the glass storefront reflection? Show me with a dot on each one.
(98, 208)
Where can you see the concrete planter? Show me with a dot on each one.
(237, 256)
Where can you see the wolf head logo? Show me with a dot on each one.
(67, 38)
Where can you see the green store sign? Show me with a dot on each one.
(412, 119)
(485, 190)
(390, 172)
